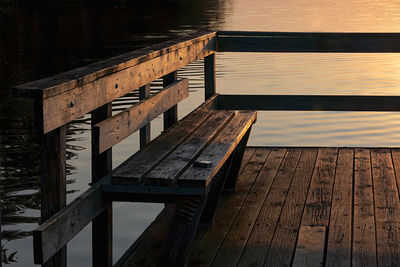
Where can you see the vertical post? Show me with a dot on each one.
(209, 76)
(102, 224)
(53, 148)
(144, 92)
(171, 115)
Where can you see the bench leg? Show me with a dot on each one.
(236, 162)
(182, 230)
(207, 218)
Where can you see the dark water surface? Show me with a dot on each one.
(40, 40)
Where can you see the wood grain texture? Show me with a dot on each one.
(235, 242)
(307, 42)
(132, 171)
(310, 246)
(218, 151)
(309, 102)
(340, 224)
(387, 213)
(180, 159)
(364, 237)
(209, 245)
(282, 246)
(69, 80)
(278, 173)
(64, 107)
(116, 128)
(318, 203)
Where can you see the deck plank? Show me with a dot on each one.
(386, 208)
(209, 245)
(283, 243)
(300, 219)
(262, 232)
(310, 246)
(233, 245)
(340, 225)
(320, 193)
(364, 242)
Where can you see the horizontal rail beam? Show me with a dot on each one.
(309, 102)
(70, 95)
(232, 41)
(150, 194)
(55, 233)
(116, 128)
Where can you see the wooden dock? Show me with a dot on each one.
(291, 206)
(299, 207)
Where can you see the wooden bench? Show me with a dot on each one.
(189, 164)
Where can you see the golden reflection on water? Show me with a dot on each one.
(315, 73)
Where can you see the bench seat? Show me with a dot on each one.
(168, 160)
(189, 164)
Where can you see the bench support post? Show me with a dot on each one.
(171, 115)
(182, 230)
(236, 162)
(102, 224)
(209, 76)
(144, 92)
(207, 218)
(54, 183)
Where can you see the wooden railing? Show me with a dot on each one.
(62, 98)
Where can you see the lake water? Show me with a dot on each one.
(37, 41)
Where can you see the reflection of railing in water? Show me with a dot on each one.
(115, 80)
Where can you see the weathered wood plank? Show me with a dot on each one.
(309, 102)
(318, 203)
(53, 234)
(364, 242)
(54, 189)
(387, 213)
(64, 107)
(210, 243)
(282, 246)
(102, 224)
(278, 173)
(218, 151)
(69, 80)
(115, 129)
(180, 159)
(134, 168)
(209, 76)
(265, 186)
(307, 42)
(310, 246)
(340, 225)
(145, 131)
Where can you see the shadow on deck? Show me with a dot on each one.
(298, 207)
